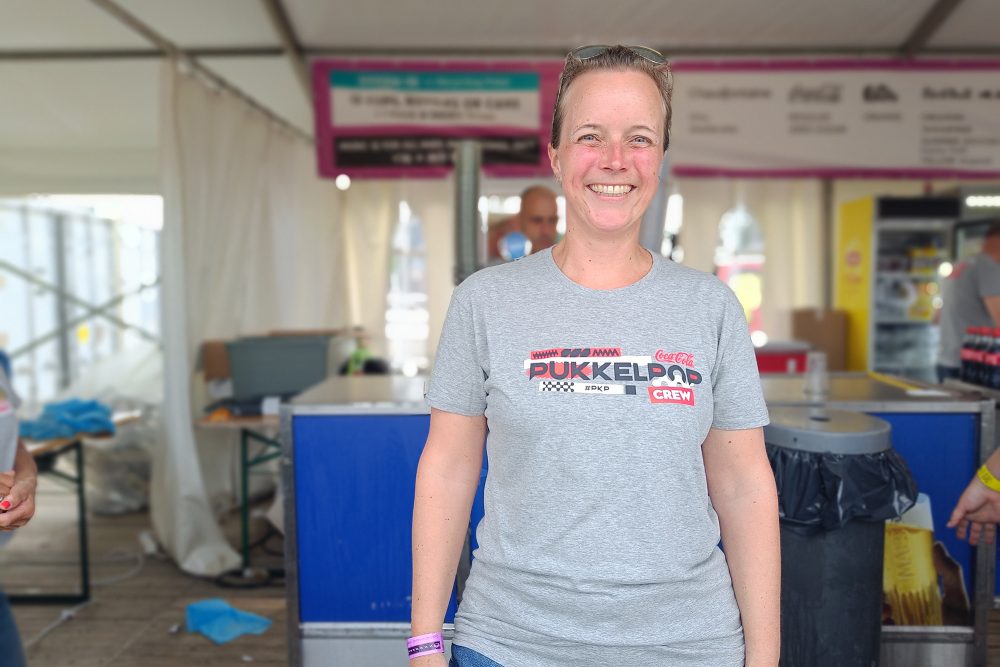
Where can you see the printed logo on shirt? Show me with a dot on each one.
(670, 377)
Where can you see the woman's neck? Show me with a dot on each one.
(602, 263)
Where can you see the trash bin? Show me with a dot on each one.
(838, 480)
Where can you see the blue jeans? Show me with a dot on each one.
(466, 657)
(11, 654)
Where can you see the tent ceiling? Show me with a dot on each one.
(973, 24)
(75, 78)
(215, 23)
(556, 25)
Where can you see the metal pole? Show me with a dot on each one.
(651, 230)
(468, 159)
(62, 303)
(828, 235)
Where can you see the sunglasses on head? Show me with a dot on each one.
(594, 50)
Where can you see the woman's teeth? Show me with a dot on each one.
(611, 189)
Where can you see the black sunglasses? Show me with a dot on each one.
(594, 50)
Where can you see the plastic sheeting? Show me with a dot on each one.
(818, 492)
(249, 245)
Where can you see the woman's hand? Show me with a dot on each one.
(6, 482)
(18, 504)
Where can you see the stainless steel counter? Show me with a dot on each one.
(859, 391)
(363, 394)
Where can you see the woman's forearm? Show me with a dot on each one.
(24, 463)
(749, 526)
(447, 478)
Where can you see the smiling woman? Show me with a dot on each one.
(623, 406)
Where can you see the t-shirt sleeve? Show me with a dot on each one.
(987, 278)
(738, 397)
(458, 381)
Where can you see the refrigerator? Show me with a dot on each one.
(891, 256)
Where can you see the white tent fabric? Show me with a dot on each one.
(249, 245)
(787, 211)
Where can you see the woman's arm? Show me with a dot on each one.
(19, 504)
(741, 485)
(447, 478)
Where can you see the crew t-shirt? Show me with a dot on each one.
(599, 544)
(963, 292)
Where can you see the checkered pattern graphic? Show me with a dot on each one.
(556, 385)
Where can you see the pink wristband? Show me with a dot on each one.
(423, 645)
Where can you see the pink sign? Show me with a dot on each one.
(402, 118)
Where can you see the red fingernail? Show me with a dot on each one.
(5, 504)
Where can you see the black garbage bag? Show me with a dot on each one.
(823, 491)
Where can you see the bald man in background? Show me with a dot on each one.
(536, 219)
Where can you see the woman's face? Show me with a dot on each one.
(610, 150)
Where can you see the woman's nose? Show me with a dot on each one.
(613, 157)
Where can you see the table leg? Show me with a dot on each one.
(244, 499)
(81, 497)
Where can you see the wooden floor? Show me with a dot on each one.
(137, 621)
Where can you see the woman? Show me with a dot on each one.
(17, 505)
(608, 488)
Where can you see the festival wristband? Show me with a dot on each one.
(423, 645)
(987, 478)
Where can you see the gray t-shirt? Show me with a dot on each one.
(971, 281)
(600, 545)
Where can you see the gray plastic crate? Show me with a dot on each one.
(276, 365)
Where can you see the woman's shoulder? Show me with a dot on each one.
(689, 279)
(506, 276)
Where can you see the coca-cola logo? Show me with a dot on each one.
(682, 358)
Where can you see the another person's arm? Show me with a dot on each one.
(447, 478)
(978, 509)
(992, 304)
(741, 486)
(18, 505)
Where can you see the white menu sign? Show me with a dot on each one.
(847, 119)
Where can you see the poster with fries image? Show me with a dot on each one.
(921, 583)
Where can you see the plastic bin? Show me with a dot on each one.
(838, 480)
(788, 357)
(276, 365)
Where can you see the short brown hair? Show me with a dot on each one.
(616, 59)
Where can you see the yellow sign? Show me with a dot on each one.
(853, 276)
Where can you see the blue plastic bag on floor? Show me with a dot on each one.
(67, 418)
(221, 622)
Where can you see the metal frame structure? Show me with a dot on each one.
(270, 451)
(65, 298)
(47, 461)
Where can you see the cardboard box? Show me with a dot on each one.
(213, 360)
(825, 330)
